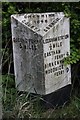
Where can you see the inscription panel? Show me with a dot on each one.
(55, 49)
(28, 51)
(40, 23)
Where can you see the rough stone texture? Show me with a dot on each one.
(40, 42)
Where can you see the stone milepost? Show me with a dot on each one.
(40, 43)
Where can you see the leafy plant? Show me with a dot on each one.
(15, 106)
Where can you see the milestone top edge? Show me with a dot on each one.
(39, 23)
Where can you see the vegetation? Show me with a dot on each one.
(19, 106)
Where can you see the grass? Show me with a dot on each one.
(72, 110)
(21, 106)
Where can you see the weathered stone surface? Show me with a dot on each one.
(40, 42)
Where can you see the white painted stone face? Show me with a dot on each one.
(40, 43)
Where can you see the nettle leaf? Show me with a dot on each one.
(73, 58)
(11, 9)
